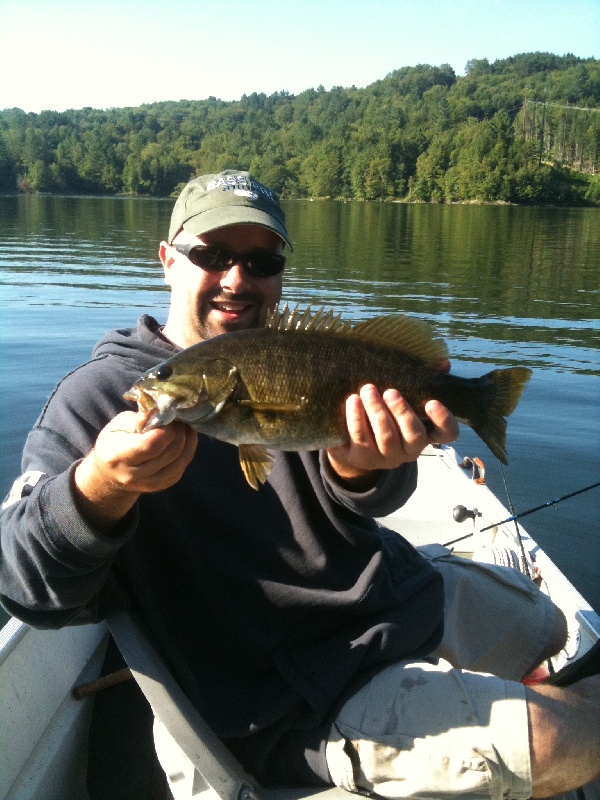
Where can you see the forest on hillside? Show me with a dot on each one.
(524, 129)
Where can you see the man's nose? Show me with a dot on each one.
(235, 277)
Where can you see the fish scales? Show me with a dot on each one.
(303, 381)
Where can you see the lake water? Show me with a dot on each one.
(505, 286)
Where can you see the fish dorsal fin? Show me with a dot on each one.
(293, 319)
(410, 335)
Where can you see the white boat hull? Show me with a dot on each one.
(44, 728)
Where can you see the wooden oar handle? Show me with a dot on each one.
(105, 682)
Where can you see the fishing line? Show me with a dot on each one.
(524, 513)
(517, 529)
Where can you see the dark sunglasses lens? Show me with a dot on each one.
(264, 265)
(218, 259)
(212, 259)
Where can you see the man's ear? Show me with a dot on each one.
(165, 254)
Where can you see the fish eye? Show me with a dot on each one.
(163, 373)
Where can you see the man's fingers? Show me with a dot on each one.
(384, 432)
(168, 468)
(133, 458)
(445, 425)
(389, 422)
(409, 427)
(166, 448)
(123, 435)
(125, 422)
(356, 419)
(380, 424)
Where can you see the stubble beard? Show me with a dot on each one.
(209, 323)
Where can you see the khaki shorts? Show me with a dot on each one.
(426, 730)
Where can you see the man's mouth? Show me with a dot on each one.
(230, 307)
(235, 308)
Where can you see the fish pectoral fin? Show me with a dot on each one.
(270, 405)
(256, 463)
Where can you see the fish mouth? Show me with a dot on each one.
(161, 408)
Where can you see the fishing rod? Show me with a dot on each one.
(461, 513)
(539, 508)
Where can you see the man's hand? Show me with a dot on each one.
(385, 432)
(125, 464)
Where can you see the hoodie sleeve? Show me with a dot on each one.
(53, 565)
(389, 493)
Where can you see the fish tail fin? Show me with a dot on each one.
(505, 387)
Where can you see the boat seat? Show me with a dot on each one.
(216, 773)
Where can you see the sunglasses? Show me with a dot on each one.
(260, 264)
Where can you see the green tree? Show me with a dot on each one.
(421, 133)
(320, 170)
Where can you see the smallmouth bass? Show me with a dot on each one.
(284, 387)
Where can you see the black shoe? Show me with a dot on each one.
(584, 667)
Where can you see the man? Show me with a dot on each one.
(319, 647)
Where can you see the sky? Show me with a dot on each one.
(60, 54)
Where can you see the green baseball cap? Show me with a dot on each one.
(225, 198)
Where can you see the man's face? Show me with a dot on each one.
(205, 304)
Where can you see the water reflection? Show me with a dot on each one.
(499, 274)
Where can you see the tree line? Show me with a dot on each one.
(524, 129)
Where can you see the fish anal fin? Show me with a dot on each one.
(410, 335)
(256, 462)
